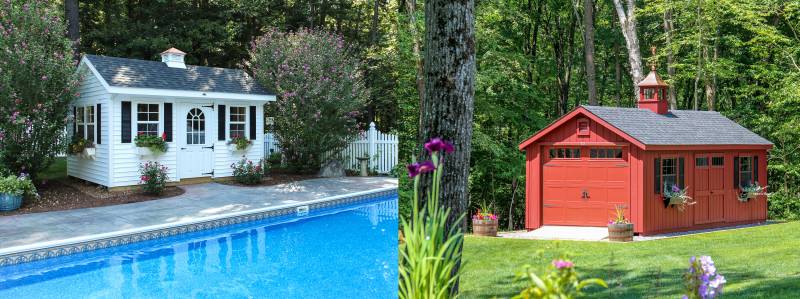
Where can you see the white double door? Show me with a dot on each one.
(195, 137)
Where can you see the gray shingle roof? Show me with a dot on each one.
(124, 72)
(677, 127)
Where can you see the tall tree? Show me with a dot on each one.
(627, 22)
(588, 49)
(668, 27)
(73, 25)
(411, 6)
(449, 95)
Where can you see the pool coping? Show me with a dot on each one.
(50, 249)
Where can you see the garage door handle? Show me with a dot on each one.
(585, 194)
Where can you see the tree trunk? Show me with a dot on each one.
(711, 84)
(412, 20)
(588, 49)
(73, 26)
(511, 206)
(672, 98)
(449, 95)
(627, 22)
(373, 28)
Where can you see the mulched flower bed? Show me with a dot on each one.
(68, 194)
(273, 179)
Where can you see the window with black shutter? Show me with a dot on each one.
(221, 122)
(126, 122)
(99, 125)
(657, 175)
(168, 122)
(252, 122)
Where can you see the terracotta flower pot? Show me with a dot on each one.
(487, 228)
(622, 232)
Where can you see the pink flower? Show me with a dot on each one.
(562, 264)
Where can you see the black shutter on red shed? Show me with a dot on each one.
(126, 122)
(681, 172)
(755, 169)
(657, 175)
(736, 172)
(168, 122)
(221, 122)
(99, 124)
(252, 122)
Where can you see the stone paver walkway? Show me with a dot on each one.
(555, 232)
(198, 203)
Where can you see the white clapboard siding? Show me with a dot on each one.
(93, 170)
(380, 147)
(224, 157)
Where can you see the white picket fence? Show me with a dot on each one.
(380, 147)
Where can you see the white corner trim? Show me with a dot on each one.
(189, 94)
(85, 61)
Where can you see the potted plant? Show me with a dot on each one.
(675, 196)
(619, 228)
(484, 223)
(81, 147)
(751, 191)
(239, 143)
(13, 189)
(149, 145)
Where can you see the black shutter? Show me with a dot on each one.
(98, 124)
(74, 120)
(168, 121)
(657, 175)
(252, 122)
(221, 123)
(736, 172)
(681, 172)
(755, 169)
(126, 122)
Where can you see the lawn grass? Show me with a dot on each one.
(758, 262)
(57, 170)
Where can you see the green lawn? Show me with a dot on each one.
(758, 262)
(57, 170)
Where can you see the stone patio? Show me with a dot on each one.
(199, 203)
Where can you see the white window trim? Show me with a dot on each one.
(80, 120)
(246, 121)
(136, 121)
(90, 121)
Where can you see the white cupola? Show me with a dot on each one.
(173, 58)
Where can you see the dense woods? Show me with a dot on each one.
(535, 60)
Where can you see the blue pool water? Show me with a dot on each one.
(348, 252)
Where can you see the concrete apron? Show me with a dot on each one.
(556, 232)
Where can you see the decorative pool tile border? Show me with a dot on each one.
(57, 251)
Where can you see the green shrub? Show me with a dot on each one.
(38, 83)
(320, 92)
(153, 177)
(155, 143)
(784, 206)
(248, 173)
(17, 185)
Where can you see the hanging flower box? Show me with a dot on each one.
(239, 144)
(88, 153)
(149, 145)
(677, 197)
(751, 192)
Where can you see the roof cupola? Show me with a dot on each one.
(173, 58)
(653, 90)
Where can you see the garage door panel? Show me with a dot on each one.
(564, 184)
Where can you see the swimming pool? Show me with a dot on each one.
(345, 251)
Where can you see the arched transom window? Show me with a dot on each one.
(195, 127)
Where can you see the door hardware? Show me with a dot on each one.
(211, 147)
(585, 194)
(211, 173)
(183, 148)
(209, 106)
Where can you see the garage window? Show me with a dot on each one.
(565, 153)
(605, 153)
(745, 170)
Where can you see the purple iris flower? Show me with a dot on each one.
(438, 145)
(415, 169)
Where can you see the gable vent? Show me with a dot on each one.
(173, 58)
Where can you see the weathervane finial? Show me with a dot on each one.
(653, 58)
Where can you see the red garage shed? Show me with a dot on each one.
(580, 167)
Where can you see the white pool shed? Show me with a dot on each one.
(196, 109)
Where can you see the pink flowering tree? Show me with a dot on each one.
(37, 83)
(320, 92)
